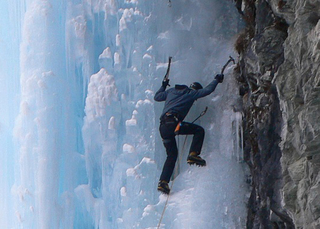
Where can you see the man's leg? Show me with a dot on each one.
(197, 141)
(187, 128)
(172, 154)
(169, 141)
(170, 144)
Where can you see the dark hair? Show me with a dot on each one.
(195, 86)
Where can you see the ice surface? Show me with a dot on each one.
(79, 127)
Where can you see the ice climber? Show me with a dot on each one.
(178, 101)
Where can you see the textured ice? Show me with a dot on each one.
(106, 53)
(128, 148)
(79, 127)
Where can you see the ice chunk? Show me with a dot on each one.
(101, 92)
(128, 148)
(123, 191)
(131, 122)
(147, 160)
(143, 102)
(111, 124)
(146, 211)
(118, 41)
(131, 172)
(122, 24)
(80, 26)
(116, 58)
(119, 220)
(147, 56)
(106, 53)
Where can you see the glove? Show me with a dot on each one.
(165, 83)
(219, 78)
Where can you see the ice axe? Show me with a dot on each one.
(224, 66)
(166, 77)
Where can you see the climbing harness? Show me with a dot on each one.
(176, 131)
(178, 163)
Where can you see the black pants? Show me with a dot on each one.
(167, 128)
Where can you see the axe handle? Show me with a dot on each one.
(224, 67)
(168, 70)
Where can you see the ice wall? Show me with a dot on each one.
(87, 150)
(9, 100)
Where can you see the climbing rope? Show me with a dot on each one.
(164, 209)
(165, 205)
(202, 114)
(178, 164)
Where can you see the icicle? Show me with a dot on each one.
(239, 137)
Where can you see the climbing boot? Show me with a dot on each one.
(163, 187)
(194, 158)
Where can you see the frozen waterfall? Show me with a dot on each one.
(79, 127)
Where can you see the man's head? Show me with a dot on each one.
(195, 86)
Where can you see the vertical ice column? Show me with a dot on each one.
(114, 143)
(238, 136)
(100, 141)
(39, 129)
(101, 109)
(10, 12)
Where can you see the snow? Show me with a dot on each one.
(79, 126)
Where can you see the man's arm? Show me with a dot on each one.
(161, 94)
(210, 88)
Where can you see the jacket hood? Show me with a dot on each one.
(180, 87)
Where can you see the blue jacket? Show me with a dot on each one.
(178, 100)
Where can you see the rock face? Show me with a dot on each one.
(279, 77)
